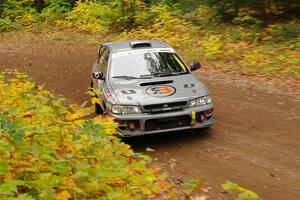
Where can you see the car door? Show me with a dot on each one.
(101, 65)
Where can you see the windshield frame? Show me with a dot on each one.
(169, 50)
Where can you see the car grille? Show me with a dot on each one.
(165, 107)
(167, 123)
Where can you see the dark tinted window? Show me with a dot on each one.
(100, 51)
(103, 62)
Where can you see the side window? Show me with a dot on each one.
(99, 53)
(103, 62)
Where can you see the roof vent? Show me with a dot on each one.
(140, 44)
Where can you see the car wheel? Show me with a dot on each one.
(98, 108)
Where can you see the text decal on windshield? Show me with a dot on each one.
(132, 52)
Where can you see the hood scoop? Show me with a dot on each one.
(156, 83)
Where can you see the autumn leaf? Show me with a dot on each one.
(64, 195)
(95, 100)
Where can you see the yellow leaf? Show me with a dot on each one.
(80, 123)
(95, 100)
(64, 195)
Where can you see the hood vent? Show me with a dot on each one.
(156, 83)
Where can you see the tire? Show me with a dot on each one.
(98, 108)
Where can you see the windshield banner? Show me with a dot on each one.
(132, 52)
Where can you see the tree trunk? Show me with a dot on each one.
(39, 5)
(1, 4)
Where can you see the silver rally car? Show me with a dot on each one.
(147, 88)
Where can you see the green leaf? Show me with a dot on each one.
(22, 197)
(36, 149)
(189, 187)
(230, 186)
(60, 167)
(4, 167)
(244, 194)
(10, 187)
(13, 111)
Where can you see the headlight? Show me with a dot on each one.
(118, 109)
(200, 101)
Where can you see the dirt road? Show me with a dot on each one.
(254, 142)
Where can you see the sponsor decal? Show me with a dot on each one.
(190, 85)
(109, 95)
(132, 52)
(128, 92)
(160, 90)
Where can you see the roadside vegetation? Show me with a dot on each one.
(48, 151)
(255, 37)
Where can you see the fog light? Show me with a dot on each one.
(210, 111)
(132, 125)
(202, 118)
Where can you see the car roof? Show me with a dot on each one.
(134, 44)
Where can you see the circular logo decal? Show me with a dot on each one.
(160, 90)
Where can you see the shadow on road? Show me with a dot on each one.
(157, 141)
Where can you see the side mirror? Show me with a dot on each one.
(98, 75)
(194, 66)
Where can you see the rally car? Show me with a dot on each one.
(147, 88)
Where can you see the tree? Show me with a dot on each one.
(39, 5)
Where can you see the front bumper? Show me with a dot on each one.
(147, 123)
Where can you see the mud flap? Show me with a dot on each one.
(193, 118)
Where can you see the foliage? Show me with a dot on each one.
(165, 26)
(54, 10)
(246, 19)
(203, 16)
(48, 151)
(244, 194)
(90, 17)
(190, 186)
(283, 31)
(17, 12)
(5, 23)
(135, 12)
(247, 35)
(213, 45)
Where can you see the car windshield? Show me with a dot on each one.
(146, 64)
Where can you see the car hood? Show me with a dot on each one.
(157, 90)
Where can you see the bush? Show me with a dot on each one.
(203, 16)
(19, 11)
(54, 9)
(47, 151)
(165, 26)
(246, 18)
(282, 32)
(91, 17)
(213, 45)
(5, 24)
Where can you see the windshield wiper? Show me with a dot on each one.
(161, 74)
(167, 74)
(147, 76)
(132, 77)
(125, 77)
